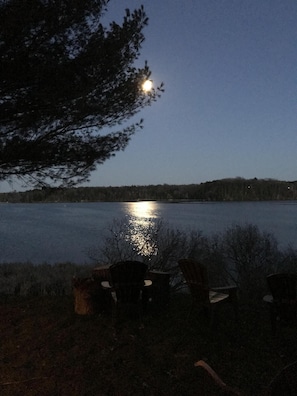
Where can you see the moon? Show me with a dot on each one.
(147, 85)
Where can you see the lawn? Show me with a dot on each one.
(47, 349)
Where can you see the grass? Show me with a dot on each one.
(46, 349)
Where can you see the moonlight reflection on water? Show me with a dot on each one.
(142, 210)
(142, 227)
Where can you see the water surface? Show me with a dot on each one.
(59, 232)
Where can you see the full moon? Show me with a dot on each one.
(147, 85)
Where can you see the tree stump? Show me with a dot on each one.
(88, 296)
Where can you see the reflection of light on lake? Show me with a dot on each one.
(142, 227)
(143, 209)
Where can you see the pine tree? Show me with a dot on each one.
(67, 84)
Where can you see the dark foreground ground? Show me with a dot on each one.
(46, 349)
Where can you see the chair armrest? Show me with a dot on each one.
(230, 290)
(106, 285)
(268, 299)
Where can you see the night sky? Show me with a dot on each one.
(229, 107)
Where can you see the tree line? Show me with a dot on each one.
(237, 189)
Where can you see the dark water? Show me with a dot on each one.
(62, 232)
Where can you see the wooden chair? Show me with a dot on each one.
(282, 300)
(202, 295)
(127, 285)
(283, 384)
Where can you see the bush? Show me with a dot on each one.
(153, 242)
(249, 256)
(288, 260)
(242, 255)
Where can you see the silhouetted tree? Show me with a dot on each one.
(65, 81)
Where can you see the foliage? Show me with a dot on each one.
(288, 260)
(214, 259)
(249, 255)
(26, 279)
(242, 255)
(154, 242)
(66, 79)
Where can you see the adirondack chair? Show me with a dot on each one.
(282, 300)
(283, 384)
(127, 285)
(203, 296)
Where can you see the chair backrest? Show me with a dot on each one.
(282, 286)
(283, 290)
(197, 279)
(127, 278)
(284, 383)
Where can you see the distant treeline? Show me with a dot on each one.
(237, 189)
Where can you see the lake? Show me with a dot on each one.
(59, 232)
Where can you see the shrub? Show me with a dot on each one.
(242, 254)
(151, 241)
(23, 279)
(249, 256)
(288, 260)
